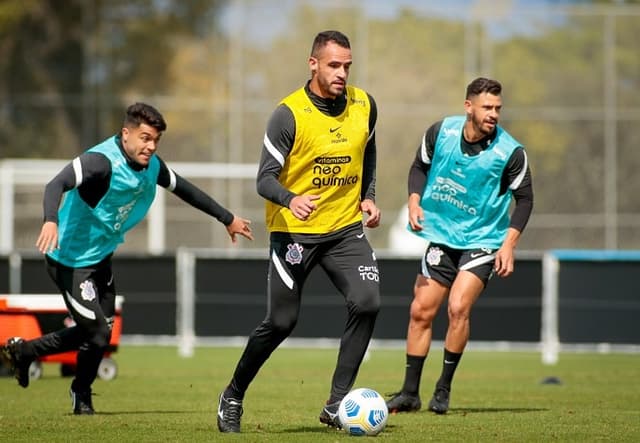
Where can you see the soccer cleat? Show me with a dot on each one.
(440, 401)
(402, 402)
(81, 402)
(229, 413)
(329, 415)
(13, 357)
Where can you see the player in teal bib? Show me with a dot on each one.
(466, 172)
(462, 204)
(108, 190)
(87, 234)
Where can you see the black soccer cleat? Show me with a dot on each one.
(12, 355)
(403, 402)
(440, 401)
(329, 415)
(229, 414)
(81, 402)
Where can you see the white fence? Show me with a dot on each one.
(549, 345)
(550, 325)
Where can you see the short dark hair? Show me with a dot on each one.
(325, 37)
(139, 113)
(481, 85)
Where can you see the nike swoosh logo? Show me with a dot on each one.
(360, 235)
(331, 415)
(332, 130)
(447, 362)
(476, 254)
(220, 411)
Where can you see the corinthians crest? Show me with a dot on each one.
(88, 290)
(294, 254)
(433, 255)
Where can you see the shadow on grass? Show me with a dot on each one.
(389, 427)
(319, 430)
(464, 411)
(143, 412)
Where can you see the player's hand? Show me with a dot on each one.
(48, 238)
(416, 217)
(504, 261)
(302, 206)
(239, 226)
(369, 207)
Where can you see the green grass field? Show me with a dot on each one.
(497, 397)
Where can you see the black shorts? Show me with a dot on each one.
(348, 261)
(89, 292)
(442, 263)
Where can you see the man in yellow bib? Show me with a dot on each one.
(317, 174)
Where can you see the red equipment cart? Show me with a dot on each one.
(32, 315)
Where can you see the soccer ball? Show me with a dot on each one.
(363, 412)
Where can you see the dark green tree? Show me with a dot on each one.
(66, 67)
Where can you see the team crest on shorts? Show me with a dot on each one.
(294, 254)
(433, 255)
(88, 290)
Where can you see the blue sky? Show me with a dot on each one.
(264, 19)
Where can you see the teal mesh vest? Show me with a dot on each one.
(461, 204)
(87, 235)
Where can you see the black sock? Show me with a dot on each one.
(449, 365)
(412, 374)
(232, 391)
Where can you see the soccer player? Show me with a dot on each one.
(317, 174)
(461, 183)
(109, 189)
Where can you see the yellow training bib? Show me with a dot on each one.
(326, 160)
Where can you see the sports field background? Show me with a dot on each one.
(497, 396)
(217, 69)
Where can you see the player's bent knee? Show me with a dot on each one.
(369, 305)
(99, 335)
(370, 308)
(420, 313)
(100, 340)
(458, 312)
(282, 325)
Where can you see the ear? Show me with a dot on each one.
(313, 65)
(467, 106)
(125, 133)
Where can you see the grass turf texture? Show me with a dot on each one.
(497, 396)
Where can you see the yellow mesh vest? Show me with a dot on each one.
(326, 160)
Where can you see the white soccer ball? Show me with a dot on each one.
(363, 412)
